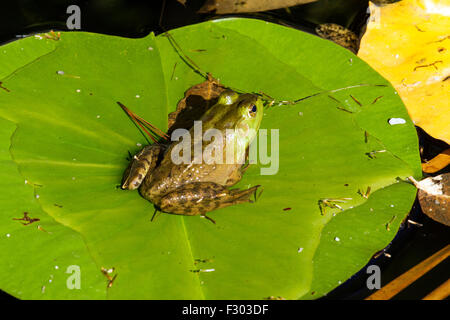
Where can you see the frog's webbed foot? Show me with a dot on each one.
(198, 198)
(140, 165)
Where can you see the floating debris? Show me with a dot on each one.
(53, 36)
(106, 273)
(331, 203)
(202, 270)
(388, 225)
(365, 194)
(202, 261)
(274, 298)
(42, 229)
(27, 219)
(376, 99)
(415, 223)
(372, 155)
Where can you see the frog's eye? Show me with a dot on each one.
(252, 110)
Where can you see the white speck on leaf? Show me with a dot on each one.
(337, 239)
(394, 121)
(300, 250)
(8, 235)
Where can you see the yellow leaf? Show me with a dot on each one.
(437, 163)
(408, 42)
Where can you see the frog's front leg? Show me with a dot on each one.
(140, 165)
(198, 198)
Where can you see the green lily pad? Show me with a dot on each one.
(63, 133)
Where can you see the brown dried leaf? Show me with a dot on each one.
(196, 101)
(434, 197)
(235, 6)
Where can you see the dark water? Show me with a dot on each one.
(138, 18)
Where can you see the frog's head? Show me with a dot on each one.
(243, 112)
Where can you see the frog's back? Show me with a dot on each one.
(168, 176)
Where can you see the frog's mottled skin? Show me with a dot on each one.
(195, 189)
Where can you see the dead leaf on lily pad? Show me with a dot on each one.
(408, 42)
(196, 101)
(233, 6)
(434, 197)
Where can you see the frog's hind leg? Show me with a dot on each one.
(198, 198)
(140, 165)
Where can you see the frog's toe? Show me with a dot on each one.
(140, 165)
(132, 183)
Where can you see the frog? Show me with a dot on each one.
(196, 188)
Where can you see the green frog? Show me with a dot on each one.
(195, 188)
